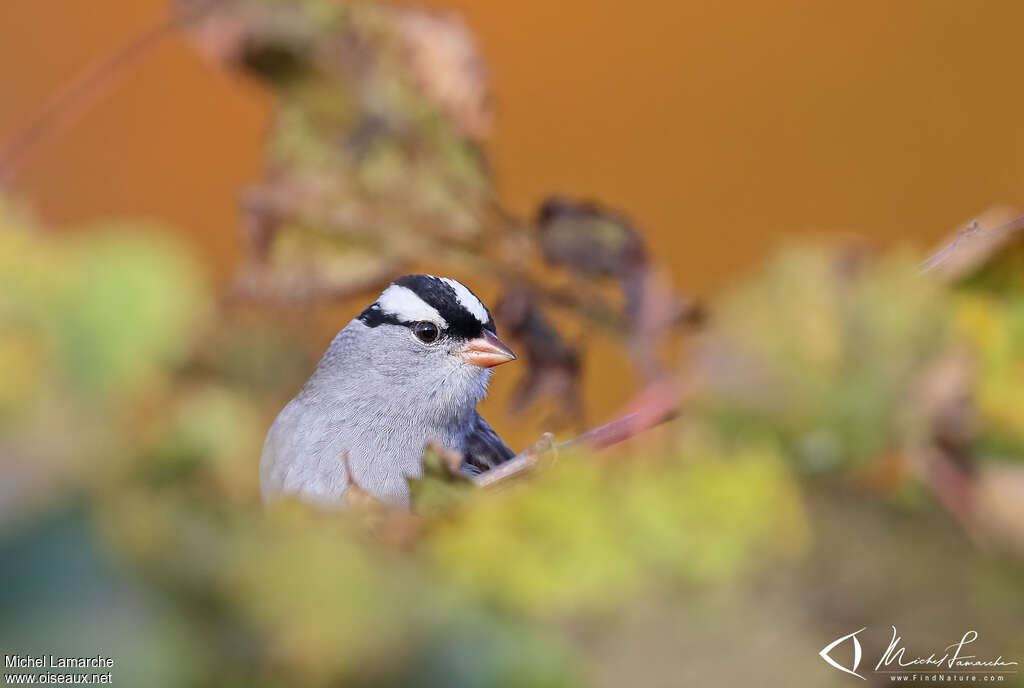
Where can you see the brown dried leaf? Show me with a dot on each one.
(553, 366)
(589, 239)
(446, 64)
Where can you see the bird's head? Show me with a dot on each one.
(434, 335)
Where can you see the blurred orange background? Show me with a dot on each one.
(720, 127)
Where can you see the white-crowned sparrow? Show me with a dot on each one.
(407, 371)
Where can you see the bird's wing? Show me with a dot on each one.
(484, 449)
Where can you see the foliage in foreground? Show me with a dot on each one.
(133, 451)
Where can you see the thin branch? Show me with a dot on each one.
(517, 465)
(71, 101)
(655, 405)
(970, 244)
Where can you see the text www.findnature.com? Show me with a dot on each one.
(947, 678)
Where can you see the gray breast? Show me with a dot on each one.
(304, 453)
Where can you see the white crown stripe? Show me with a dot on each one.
(467, 300)
(404, 304)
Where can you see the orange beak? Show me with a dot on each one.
(486, 351)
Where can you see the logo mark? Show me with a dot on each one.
(856, 654)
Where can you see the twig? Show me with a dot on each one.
(970, 236)
(71, 101)
(655, 405)
(518, 464)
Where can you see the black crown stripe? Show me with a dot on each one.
(442, 297)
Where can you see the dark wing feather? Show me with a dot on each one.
(484, 449)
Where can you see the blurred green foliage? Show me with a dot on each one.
(994, 326)
(132, 452)
(823, 350)
(591, 534)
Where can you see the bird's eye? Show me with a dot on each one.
(426, 332)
